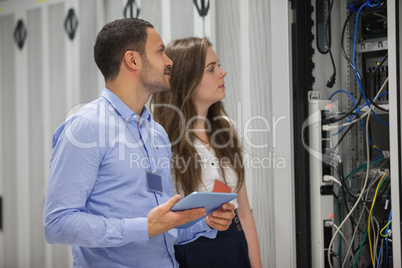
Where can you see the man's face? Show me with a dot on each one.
(155, 72)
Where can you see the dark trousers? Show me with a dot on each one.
(229, 249)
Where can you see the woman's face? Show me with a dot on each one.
(212, 86)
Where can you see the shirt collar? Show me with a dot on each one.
(123, 110)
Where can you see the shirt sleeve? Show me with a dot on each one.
(76, 157)
(195, 231)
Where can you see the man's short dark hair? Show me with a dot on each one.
(115, 39)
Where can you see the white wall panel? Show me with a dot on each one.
(9, 141)
(35, 120)
(261, 135)
(113, 9)
(282, 122)
(151, 11)
(87, 34)
(57, 67)
(228, 47)
(22, 173)
(182, 21)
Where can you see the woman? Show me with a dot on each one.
(207, 154)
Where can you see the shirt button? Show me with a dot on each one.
(239, 227)
(236, 219)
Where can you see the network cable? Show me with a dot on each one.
(371, 76)
(365, 236)
(353, 237)
(354, 55)
(327, 127)
(363, 188)
(386, 239)
(333, 225)
(371, 211)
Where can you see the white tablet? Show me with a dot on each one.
(209, 200)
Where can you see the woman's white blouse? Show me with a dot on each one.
(211, 171)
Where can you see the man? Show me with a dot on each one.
(109, 193)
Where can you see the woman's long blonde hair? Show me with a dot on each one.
(188, 56)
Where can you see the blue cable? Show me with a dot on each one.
(376, 158)
(375, 5)
(353, 101)
(364, 130)
(350, 118)
(343, 91)
(386, 239)
(378, 260)
(382, 94)
(354, 57)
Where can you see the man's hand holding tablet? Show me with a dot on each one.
(215, 203)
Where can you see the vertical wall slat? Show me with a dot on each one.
(36, 132)
(87, 34)
(182, 19)
(57, 68)
(264, 188)
(151, 11)
(8, 118)
(22, 192)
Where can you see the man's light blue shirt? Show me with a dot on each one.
(97, 198)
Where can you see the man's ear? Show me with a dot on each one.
(132, 59)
